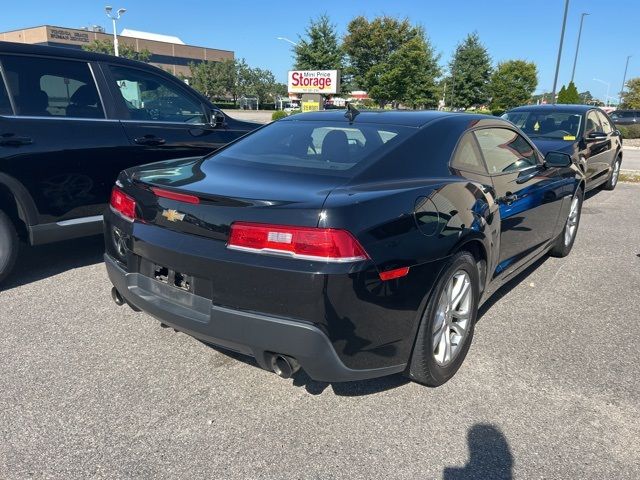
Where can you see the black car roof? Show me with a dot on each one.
(408, 118)
(553, 108)
(62, 52)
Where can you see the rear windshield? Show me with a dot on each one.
(327, 147)
(561, 125)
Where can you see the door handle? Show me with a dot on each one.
(150, 140)
(509, 198)
(12, 140)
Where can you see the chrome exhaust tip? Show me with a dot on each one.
(284, 366)
(117, 298)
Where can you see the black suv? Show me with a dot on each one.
(626, 117)
(71, 120)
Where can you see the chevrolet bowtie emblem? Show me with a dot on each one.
(173, 215)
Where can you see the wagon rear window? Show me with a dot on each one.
(328, 146)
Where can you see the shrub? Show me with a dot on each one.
(497, 111)
(278, 114)
(629, 131)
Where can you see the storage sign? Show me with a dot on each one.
(313, 81)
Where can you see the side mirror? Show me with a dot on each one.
(595, 136)
(557, 159)
(217, 119)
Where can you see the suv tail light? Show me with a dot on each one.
(123, 204)
(307, 243)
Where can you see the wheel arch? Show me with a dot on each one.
(475, 245)
(18, 204)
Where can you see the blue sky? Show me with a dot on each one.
(524, 29)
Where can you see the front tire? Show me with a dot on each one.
(564, 242)
(446, 328)
(9, 244)
(613, 177)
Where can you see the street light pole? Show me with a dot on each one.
(285, 39)
(624, 79)
(114, 19)
(555, 78)
(575, 60)
(608, 86)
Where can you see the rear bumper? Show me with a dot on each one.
(249, 333)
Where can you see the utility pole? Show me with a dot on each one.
(624, 79)
(555, 78)
(575, 60)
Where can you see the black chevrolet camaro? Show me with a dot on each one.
(351, 245)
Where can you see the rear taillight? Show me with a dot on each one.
(307, 243)
(123, 204)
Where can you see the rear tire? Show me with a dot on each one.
(447, 323)
(564, 242)
(613, 177)
(9, 244)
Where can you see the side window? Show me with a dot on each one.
(5, 104)
(153, 98)
(505, 150)
(48, 87)
(593, 124)
(606, 124)
(467, 157)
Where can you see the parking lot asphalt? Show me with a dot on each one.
(550, 389)
(631, 159)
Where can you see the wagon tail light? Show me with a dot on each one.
(123, 204)
(306, 243)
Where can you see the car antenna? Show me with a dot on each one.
(352, 112)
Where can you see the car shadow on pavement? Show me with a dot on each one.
(489, 456)
(344, 389)
(510, 285)
(37, 263)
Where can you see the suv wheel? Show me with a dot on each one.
(613, 177)
(8, 245)
(446, 328)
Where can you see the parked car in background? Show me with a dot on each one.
(353, 247)
(626, 117)
(71, 120)
(584, 132)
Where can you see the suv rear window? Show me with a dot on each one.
(324, 146)
(46, 87)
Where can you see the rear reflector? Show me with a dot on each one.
(123, 204)
(391, 274)
(180, 197)
(307, 243)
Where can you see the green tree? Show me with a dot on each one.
(369, 44)
(407, 76)
(513, 84)
(561, 94)
(631, 96)
(319, 49)
(470, 70)
(214, 79)
(234, 78)
(569, 95)
(124, 50)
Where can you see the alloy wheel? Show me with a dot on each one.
(572, 221)
(615, 174)
(453, 317)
